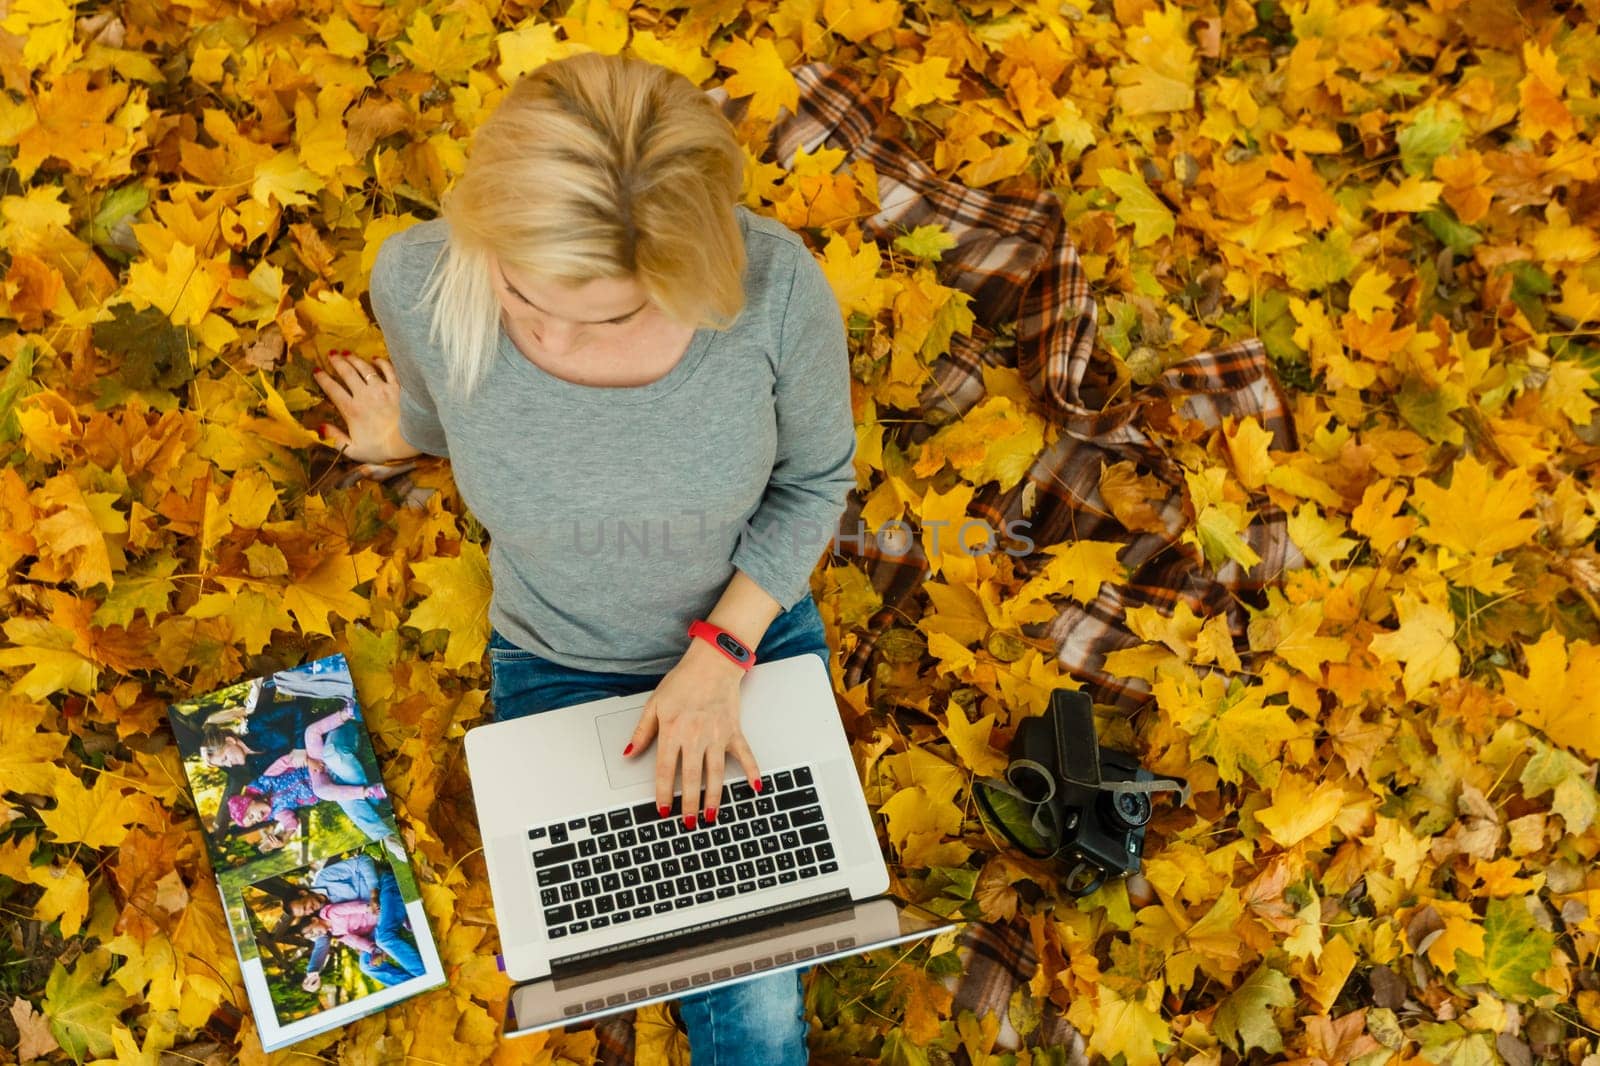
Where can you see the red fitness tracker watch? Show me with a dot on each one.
(729, 645)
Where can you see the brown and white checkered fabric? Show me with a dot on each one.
(1013, 256)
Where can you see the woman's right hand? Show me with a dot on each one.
(368, 396)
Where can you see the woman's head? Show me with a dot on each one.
(602, 187)
(222, 747)
(305, 903)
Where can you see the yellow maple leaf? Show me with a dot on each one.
(924, 82)
(856, 20)
(853, 276)
(1557, 696)
(1300, 808)
(97, 816)
(971, 741)
(343, 38)
(1161, 78)
(66, 895)
(457, 601)
(1176, 630)
(1132, 1028)
(47, 651)
(1377, 517)
(330, 587)
(687, 57)
(1215, 645)
(1425, 642)
(1247, 447)
(1480, 513)
(1291, 633)
(1414, 193)
(27, 754)
(917, 810)
(1219, 522)
(180, 287)
(1236, 729)
(450, 50)
(252, 614)
(994, 441)
(760, 73)
(958, 613)
(1370, 294)
(1077, 569)
(953, 658)
(1318, 538)
(598, 24)
(526, 48)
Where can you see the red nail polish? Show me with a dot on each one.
(664, 810)
(756, 784)
(688, 820)
(711, 815)
(628, 750)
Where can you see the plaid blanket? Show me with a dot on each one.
(1013, 256)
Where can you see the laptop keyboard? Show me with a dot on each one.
(629, 862)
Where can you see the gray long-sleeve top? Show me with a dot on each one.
(617, 515)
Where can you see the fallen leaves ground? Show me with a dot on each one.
(1390, 853)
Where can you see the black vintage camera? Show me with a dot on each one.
(1089, 804)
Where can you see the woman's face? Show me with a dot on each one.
(562, 319)
(229, 753)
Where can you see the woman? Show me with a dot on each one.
(644, 392)
(390, 954)
(300, 778)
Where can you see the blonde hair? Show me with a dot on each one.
(592, 166)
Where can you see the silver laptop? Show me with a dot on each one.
(604, 905)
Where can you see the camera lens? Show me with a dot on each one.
(1128, 810)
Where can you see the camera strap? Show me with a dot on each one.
(1078, 751)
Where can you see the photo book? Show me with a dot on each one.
(321, 901)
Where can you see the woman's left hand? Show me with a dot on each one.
(695, 709)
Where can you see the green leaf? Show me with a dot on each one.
(144, 587)
(1139, 207)
(1514, 949)
(1448, 1044)
(959, 881)
(155, 352)
(110, 230)
(926, 242)
(1013, 814)
(1426, 409)
(1245, 1019)
(900, 1050)
(1431, 134)
(1319, 263)
(1452, 233)
(19, 373)
(81, 1009)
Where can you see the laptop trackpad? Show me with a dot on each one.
(615, 729)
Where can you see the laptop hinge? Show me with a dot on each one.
(582, 962)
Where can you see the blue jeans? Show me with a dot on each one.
(339, 748)
(392, 937)
(761, 1020)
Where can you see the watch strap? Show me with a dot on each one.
(732, 648)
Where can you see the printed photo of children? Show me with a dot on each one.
(332, 933)
(282, 761)
(321, 900)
